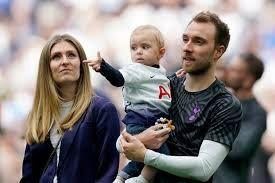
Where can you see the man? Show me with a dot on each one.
(243, 71)
(206, 116)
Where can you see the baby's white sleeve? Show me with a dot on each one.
(200, 167)
(118, 147)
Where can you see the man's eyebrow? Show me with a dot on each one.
(199, 37)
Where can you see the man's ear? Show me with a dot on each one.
(248, 82)
(161, 52)
(218, 52)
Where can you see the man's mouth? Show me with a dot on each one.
(188, 59)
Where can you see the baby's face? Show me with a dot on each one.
(144, 48)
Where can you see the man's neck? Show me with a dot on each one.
(195, 83)
(244, 94)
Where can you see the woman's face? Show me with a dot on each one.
(65, 64)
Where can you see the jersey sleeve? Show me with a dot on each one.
(111, 74)
(200, 167)
(225, 121)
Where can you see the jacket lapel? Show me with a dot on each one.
(67, 141)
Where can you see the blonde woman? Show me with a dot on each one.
(71, 133)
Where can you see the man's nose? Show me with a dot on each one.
(187, 47)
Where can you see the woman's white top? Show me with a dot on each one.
(55, 135)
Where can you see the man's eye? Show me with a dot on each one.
(199, 42)
(185, 40)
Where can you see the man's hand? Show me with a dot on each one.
(154, 136)
(95, 63)
(132, 148)
(180, 73)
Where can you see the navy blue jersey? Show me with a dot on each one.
(211, 114)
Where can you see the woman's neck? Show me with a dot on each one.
(67, 92)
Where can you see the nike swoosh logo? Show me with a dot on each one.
(152, 76)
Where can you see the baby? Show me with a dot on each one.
(146, 92)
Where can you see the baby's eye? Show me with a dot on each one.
(133, 48)
(146, 46)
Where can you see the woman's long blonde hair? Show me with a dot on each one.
(47, 100)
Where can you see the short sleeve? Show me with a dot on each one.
(225, 121)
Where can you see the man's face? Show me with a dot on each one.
(198, 48)
(237, 73)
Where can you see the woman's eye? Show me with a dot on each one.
(71, 55)
(55, 57)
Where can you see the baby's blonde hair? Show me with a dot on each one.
(158, 35)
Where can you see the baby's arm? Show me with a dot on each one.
(111, 74)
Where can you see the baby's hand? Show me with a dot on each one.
(95, 63)
(167, 123)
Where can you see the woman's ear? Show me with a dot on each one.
(218, 52)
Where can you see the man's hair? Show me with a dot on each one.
(158, 35)
(255, 66)
(222, 36)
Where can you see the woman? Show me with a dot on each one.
(71, 133)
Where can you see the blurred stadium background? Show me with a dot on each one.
(105, 25)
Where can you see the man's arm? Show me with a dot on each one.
(152, 137)
(250, 133)
(200, 167)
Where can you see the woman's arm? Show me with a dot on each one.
(27, 172)
(107, 132)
